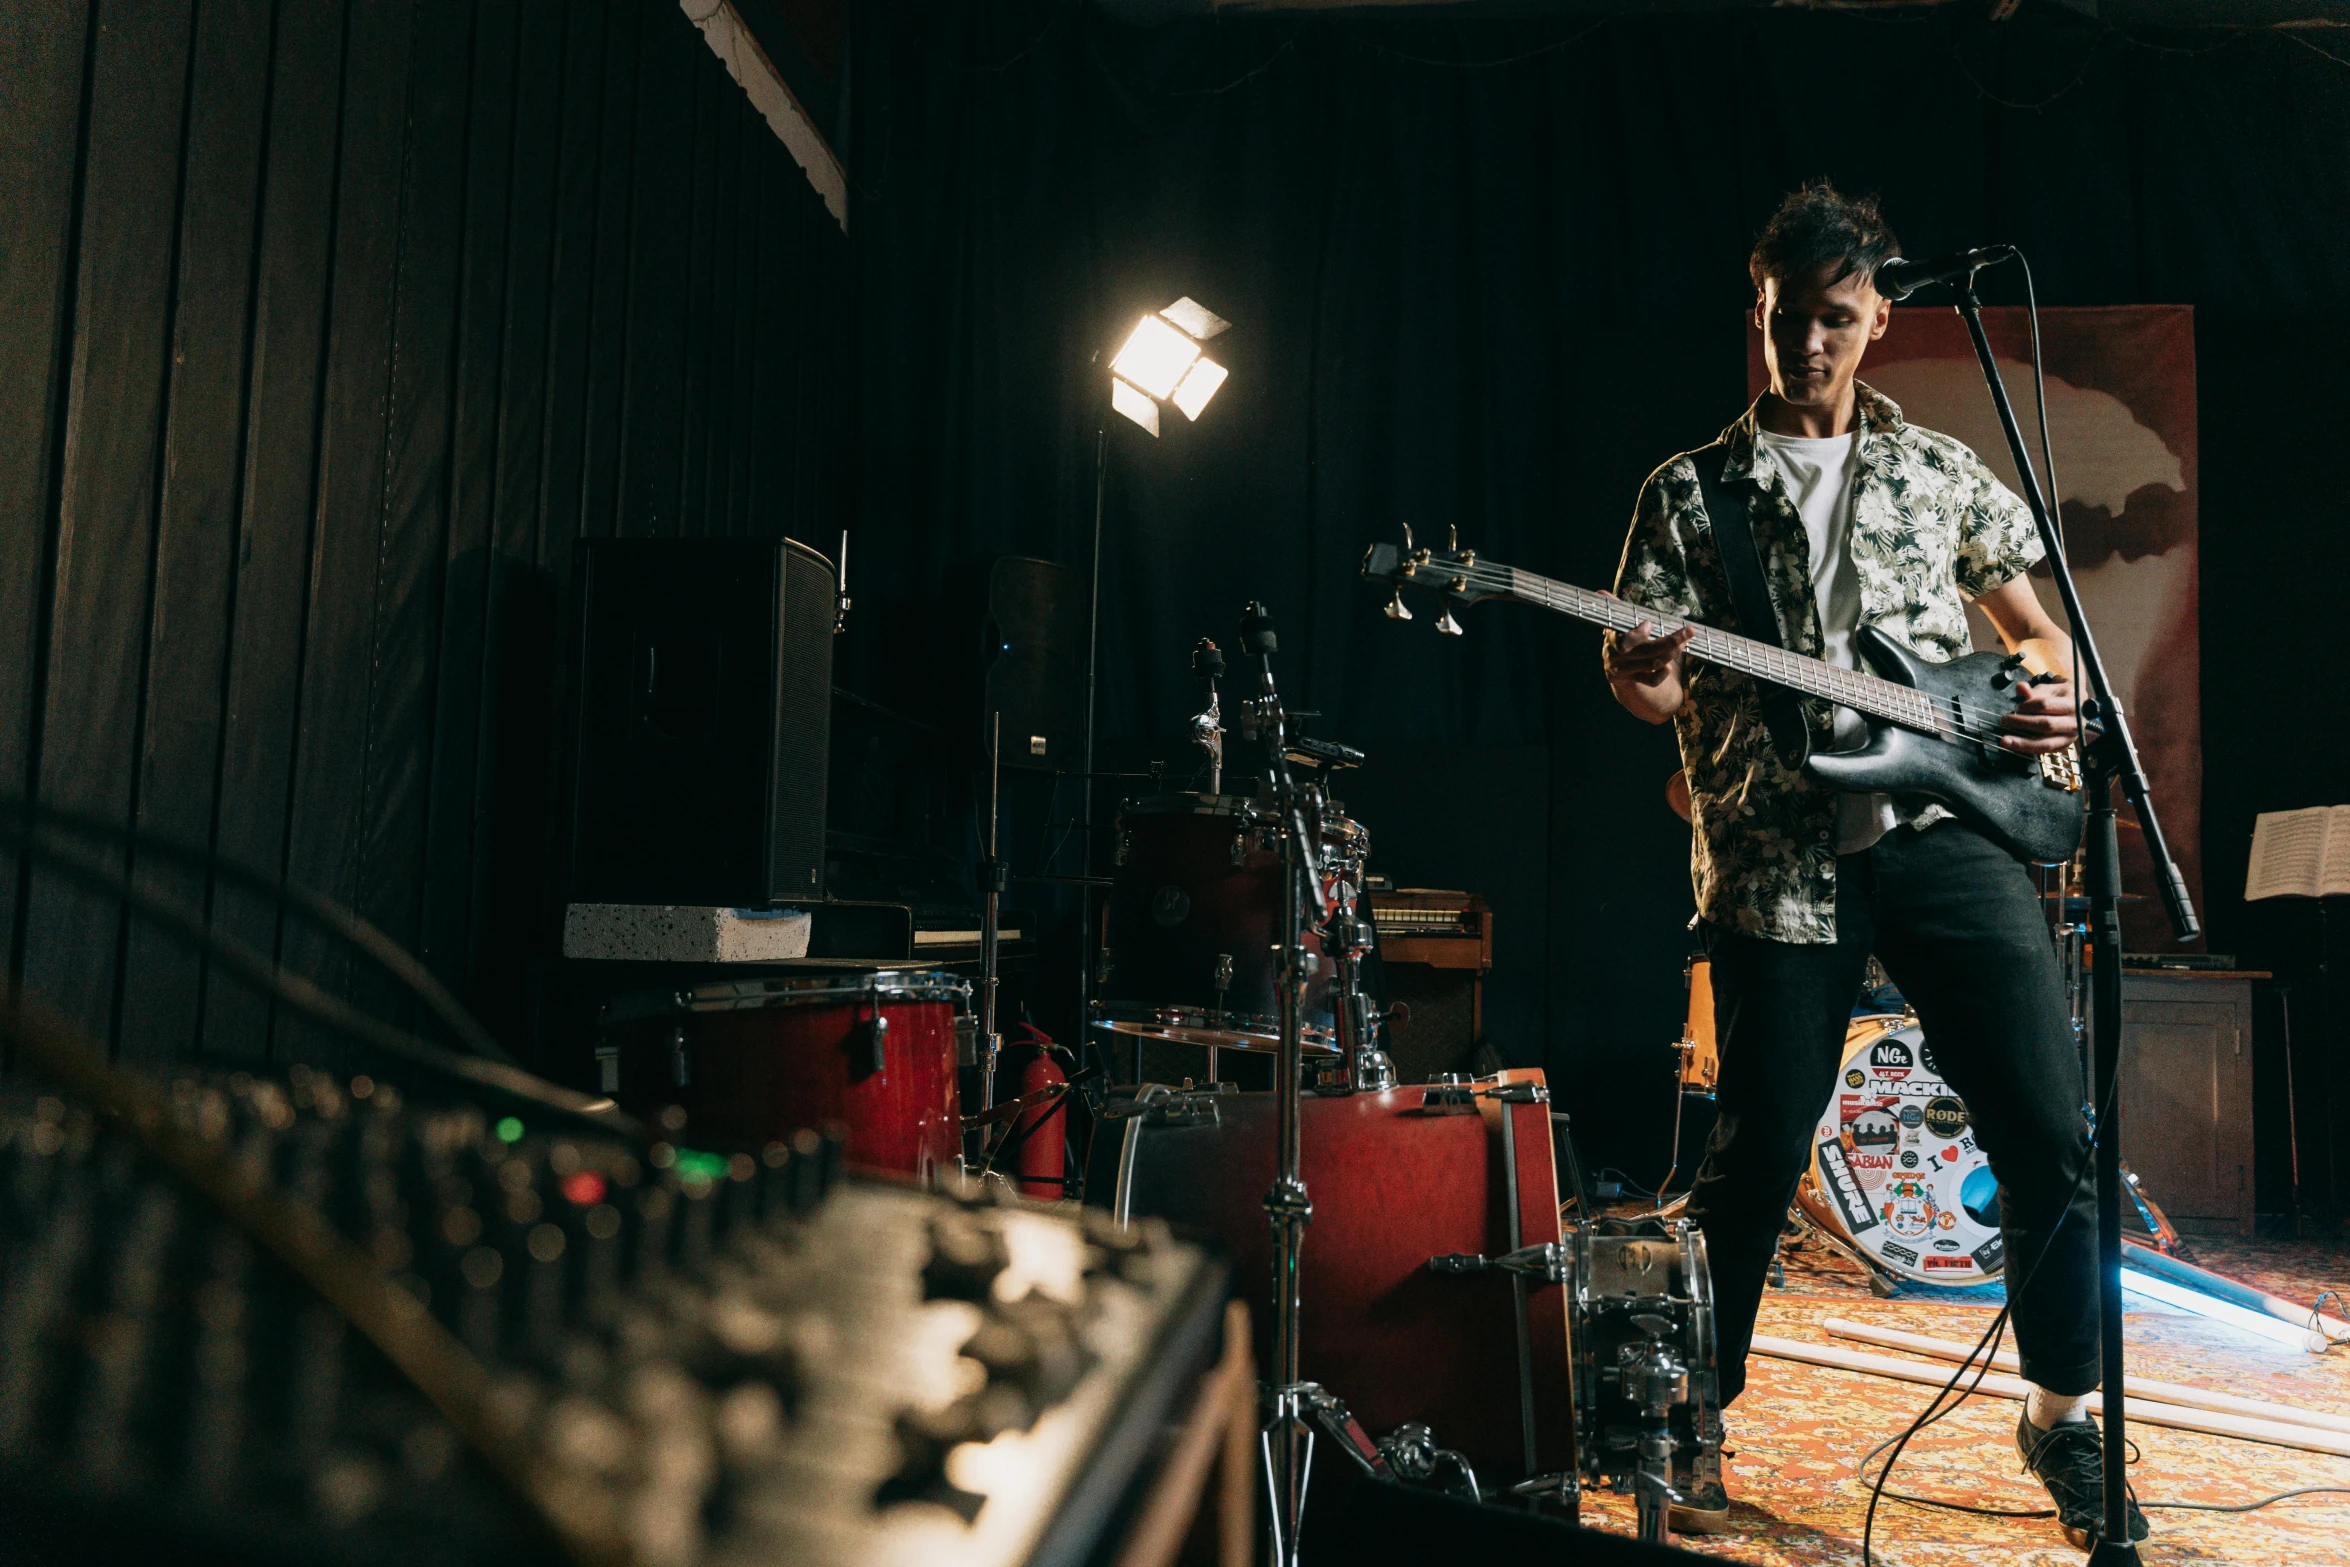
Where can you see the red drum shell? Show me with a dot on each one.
(766, 1064)
(1392, 1186)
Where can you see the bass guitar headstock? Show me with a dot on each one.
(1451, 574)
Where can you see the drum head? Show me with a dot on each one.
(1896, 1164)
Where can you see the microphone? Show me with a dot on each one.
(1899, 277)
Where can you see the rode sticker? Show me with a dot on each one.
(1944, 1116)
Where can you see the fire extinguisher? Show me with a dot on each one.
(1041, 1134)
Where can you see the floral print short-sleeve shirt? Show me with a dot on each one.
(1931, 528)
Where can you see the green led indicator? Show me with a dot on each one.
(694, 1164)
(510, 1129)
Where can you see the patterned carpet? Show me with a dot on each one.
(1798, 1433)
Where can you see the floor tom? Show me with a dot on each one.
(752, 1061)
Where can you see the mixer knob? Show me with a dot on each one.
(965, 1257)
(1032, 1348)
(924, 1441)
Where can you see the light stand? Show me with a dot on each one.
(991, 880)
(2107, 758)
(1288, 1435)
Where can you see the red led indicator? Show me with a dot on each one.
(584, 1187)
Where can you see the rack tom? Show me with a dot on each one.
(1194, 923)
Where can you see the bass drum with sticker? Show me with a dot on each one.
(1895, 1170)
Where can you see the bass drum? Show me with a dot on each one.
(1398, 1179)
(1895, 1169)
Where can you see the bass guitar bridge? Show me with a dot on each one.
(2062, 769)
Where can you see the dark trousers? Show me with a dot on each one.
(1956, 923)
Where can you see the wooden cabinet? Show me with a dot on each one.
(2187, 1094)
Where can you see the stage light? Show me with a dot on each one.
(1162, 363)
(2212, 1309)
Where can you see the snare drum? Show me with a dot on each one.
(753, 1061)
(1480, 1358)
(1194, 920)
(1895, 1170)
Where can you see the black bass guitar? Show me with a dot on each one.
(1933, 728)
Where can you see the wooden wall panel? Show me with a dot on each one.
(325, 329)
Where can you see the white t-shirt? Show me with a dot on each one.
(1818, 473)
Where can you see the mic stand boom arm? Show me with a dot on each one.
(2108, 756)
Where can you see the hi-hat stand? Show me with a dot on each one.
(2108, 757)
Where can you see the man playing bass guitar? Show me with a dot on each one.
(1859, 518)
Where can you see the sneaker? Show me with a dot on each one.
(2070, 1461)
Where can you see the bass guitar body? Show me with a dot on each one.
(2028, 805)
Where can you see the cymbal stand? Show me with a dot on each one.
(1288, 1439)
(2109, 758)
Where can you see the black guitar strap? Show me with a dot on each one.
(1750, 598)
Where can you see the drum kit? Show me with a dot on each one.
(1479, 1345)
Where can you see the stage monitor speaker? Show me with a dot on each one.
(1033, 651)
(702, 722)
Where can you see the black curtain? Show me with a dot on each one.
(325, 330)
(1485, 275)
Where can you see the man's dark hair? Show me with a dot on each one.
(1819, 226)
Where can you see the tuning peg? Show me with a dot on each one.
(1407, 539)
(1449, 626)
(1452, 536)
(1396, 609)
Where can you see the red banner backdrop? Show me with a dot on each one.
(2121, 411)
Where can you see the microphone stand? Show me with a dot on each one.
(2108, 757)
(1288, 1440)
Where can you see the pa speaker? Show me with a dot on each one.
(702, 722)
(1032, 636)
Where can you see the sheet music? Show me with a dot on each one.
(2300, 854)
(2334, 877)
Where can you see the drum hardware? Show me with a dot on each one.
(1653, 1376)
(1645, 1392)
(1207, 728)
(1411, 1452)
